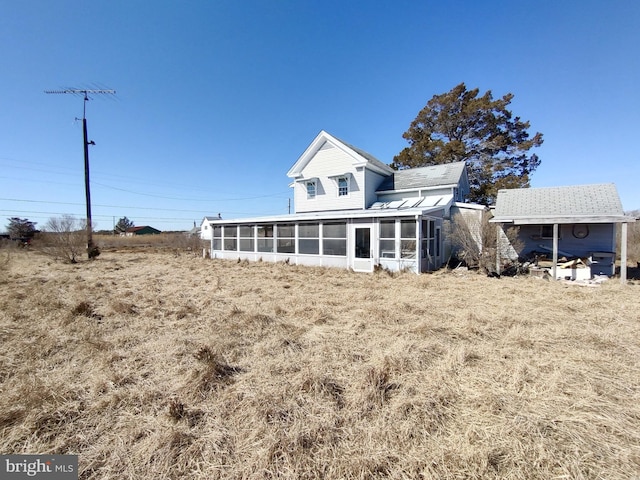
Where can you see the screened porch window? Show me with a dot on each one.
(429, 248)
(387, 239)
(286, 238)
(230, 241)
(408, 239)
(216, 244)
(265, 238)
(334, 239)
(309, 238)
(246, 238)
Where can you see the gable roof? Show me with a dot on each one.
(425, 177)
(360, 157)
(597, 203)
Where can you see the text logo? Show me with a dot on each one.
(50, 467)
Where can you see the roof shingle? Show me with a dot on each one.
(424, 177)
(577, 201)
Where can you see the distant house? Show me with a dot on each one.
(351, 211)
(572, 221)
(145, 230)
(205, 230)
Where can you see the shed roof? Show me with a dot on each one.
(597, 203)
(424, 177)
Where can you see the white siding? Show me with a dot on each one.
(373, 181)
(328, 162)
(205, 231)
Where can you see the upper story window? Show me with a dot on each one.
(311, 189)
(343, 186)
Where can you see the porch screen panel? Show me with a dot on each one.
(286, 238)
(230, 241)
(425, 239)
(387, 238)
(432, 238)
(334, 239)
(217, 238)
(246, 238)
(265, 238)
(408, 239)
(309, 238)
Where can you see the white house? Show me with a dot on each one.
(351, 211)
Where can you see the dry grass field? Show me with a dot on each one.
(153, 365)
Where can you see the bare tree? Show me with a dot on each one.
(63, 238)
(475, 240)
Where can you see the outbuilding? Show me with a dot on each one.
(571, 221)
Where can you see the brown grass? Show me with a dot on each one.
(633, 240)
(175, 241)
(166, 365)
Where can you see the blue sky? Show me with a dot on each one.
(217, 99)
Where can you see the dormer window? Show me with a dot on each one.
(311, 189)
(343, 186)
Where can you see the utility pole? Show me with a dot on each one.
(92, 250)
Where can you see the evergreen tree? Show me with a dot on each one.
(21, 228)
(460, 125)
(123, 225)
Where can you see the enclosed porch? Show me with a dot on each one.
(399, 240)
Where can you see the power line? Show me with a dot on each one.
(101, 205)
(137, 181)
(191, 199)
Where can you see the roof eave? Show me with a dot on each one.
(332, 215)
(550, 220)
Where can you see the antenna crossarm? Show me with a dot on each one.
(74, 91)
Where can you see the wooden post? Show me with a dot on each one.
(554, 270)
(498, 230)
(91, 252)
(623, 254)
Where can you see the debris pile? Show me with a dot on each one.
(569, 268)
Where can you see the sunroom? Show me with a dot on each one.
(361, 240)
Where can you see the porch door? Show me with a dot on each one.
(362, 254)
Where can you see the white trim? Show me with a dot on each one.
(362, 264)
(334, 215)
(358, 160)
(347, 178)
